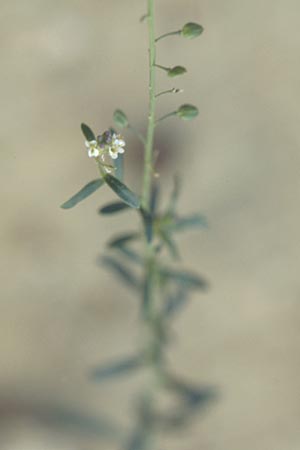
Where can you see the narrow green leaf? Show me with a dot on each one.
(193, 221)
(129, 253)
(123, 239)
(154, 199)
(191, 30)
(148, 284)
(117, 368)
(125, 275)
(187, 112)
(129, 197)
(169, 243)
(120, 119)
(194, 397)
(69, 419)
(113, 208)
(176, 71)
(174, 196)
(187, 279)
(87, 132)
(175, 301)
(192, 400)
(85, 192)
(119, 167)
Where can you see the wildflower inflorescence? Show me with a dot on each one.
(108, 143)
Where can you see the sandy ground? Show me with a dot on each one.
(64, 62)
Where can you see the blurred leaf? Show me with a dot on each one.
(116, 369)
(193, 221)
(120, 118)
(192, 400)
(129, 253)
(191, 30)
(129, 197)
(186, 279)
(174, 196)
(176, 71)
(87, 190)
(146, 296)
(137, 440)
(87, 132)
(147, 220)
(154, 199)
(187, 112)
(123, 239)
(119, 167)
(175, 301)
(64, 418)
(170, 244)
(194, 397)
(123, 272)
(113, 207)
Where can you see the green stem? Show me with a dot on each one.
(173, 113)
(166, 69)
(169, 91)
(171, 33)
(148, 162)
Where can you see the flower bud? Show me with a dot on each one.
(187, 112)
(191, 30)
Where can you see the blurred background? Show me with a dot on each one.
(64, 62)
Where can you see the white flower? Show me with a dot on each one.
(117, 146)
(92, 148)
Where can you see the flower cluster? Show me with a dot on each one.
(109, 143)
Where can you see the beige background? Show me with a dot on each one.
(63, 62)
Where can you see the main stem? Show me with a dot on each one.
(148, 161)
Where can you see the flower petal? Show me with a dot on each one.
(113, 154)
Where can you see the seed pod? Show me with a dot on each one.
(187, 112)
(175, 71)
(120, 119)
(191, 30)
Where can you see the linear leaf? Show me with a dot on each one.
(194, 397)
(188, 279)
(69, 419)
(113, 208)
(170, 244)
(175, 301)
(154, 198)
(193, 400)
(148, 224)
(119, 167)
(174, 196)
(85, 192)
(129, 197)
(130, 254)
(116, 369)
(123, 272)
(87, 132)
(193, 221)
(123, 239)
